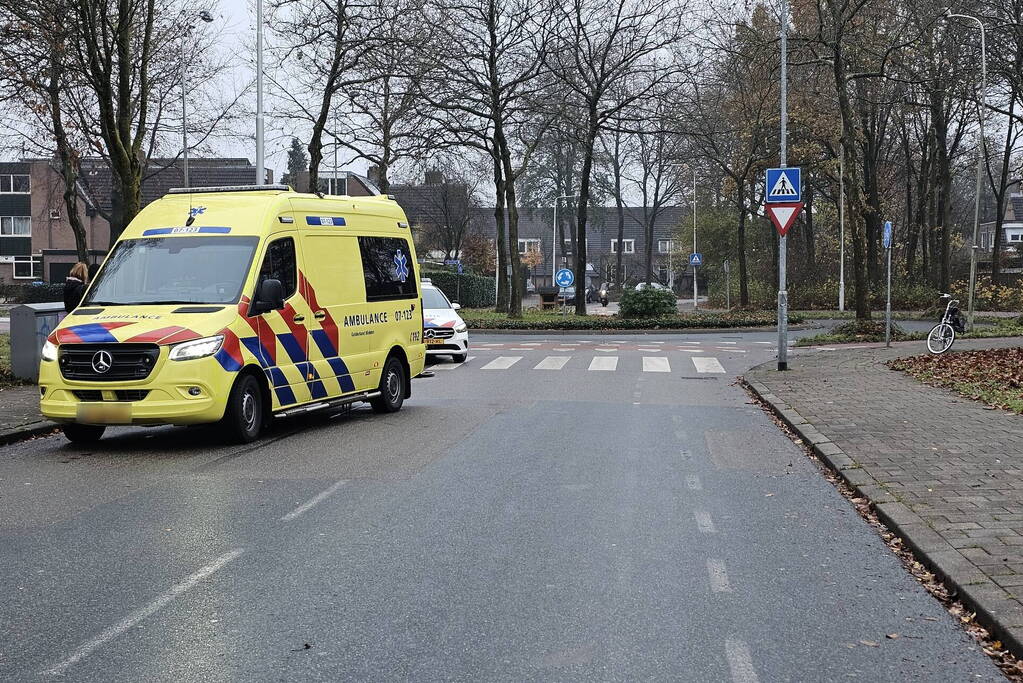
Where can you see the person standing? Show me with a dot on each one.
(74, 286)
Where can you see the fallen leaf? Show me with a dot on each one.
(891, 636)
(869, 643)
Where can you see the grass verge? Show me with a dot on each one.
(873, 331)
(485, 319)
(992, 376)
(7, 378)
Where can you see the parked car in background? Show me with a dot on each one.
(651, 285)
(444, 331)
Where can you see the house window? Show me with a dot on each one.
(529, 245)
(1016, 237)
(628, 246)
(333, 186)
(665, 246)
(28, 267)
(662, 273)
(20, 226)
(15, 184)
(54, 214)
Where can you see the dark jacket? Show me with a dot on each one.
(74, 290)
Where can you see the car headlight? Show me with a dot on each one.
(49, 351)
(460, 328)
(198, 348)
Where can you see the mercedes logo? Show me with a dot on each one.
(102, 361)
(429, 334)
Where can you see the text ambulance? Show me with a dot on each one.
(236, 304)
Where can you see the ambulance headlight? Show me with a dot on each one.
(460, 328)
(198, 348)
(49, 351)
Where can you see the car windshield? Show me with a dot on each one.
(174, 270)
(434, 298)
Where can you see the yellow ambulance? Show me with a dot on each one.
(235, 304)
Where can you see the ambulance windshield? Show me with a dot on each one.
(174, 270)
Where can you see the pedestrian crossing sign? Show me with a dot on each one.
(784, 185)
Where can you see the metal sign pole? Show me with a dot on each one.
(783, 295)
(728, 287)
(888, 305)
(695, 250)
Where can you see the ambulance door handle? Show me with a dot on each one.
(298, 319)
(320, 315)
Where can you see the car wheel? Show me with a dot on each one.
(243, 419)
(78, 433)
(459, 357)
(392, 387)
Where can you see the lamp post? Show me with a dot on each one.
(981, 158)
(187, 31)
(695, 305)
(260, 162)
(554, 242)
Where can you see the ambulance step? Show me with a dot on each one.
(301, 410)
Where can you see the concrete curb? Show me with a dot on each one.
(612, 333)
(996, 610)
(26, 431)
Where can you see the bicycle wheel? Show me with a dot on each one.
(940, 338)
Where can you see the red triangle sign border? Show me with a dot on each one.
(782, 224)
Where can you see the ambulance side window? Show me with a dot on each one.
(388, 268)
(279, 264)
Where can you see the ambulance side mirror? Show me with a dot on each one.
(269, 297)
(455, 305)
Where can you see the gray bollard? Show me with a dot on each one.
(31, 324)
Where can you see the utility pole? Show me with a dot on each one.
(783, 295)
(185, 33)
(695, 250)
(554, 241)
(841, 222)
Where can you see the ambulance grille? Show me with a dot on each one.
(121, 394)
(127, 361)
(438, 333)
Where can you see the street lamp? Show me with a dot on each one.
(981, 158)
(260, 172)
(554, 242)
(189, 25)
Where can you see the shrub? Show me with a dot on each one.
(32, 294)
(471, 291)
(647, 303)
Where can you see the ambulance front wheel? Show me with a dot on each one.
(77, 433)
(243, 418)
(393, 384)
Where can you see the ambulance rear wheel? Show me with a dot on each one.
(243, 418)
(77, 433)
(393, 383)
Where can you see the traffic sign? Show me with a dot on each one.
(460, 268)
(696, 259)
(784, 215)
(784, 185)
(564, 278)
(886, 239)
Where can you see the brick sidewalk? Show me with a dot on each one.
(19, 414)
(944, 472)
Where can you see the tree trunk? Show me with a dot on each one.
(515, 290)
(810, 239)
(584, 201)
(68, 161)
(743, 270)
(503, 295)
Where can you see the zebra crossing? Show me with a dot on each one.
(599, 363)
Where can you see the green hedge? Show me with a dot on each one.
(17, 293)
(648, 303)
(471, 291)
(488, 320)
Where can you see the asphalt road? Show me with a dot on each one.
(552, 517)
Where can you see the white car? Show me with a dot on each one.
(653, 285)
(444, 330)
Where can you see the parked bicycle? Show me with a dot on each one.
(941, 336)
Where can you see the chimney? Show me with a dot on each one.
(434, 178)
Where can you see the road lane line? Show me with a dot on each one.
(656, 364)
(314, 501)
(502, 363)
(707, 364)
(452, 365)
(693, 482)
(149, 610)
(704, 523)
(552, 363)
(718, 577)
(609, 363)
(740, 661)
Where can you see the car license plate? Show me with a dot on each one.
(104, 413)
(431, 342)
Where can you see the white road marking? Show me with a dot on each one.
(604, 363)
(521, 348)
(145, 612)
(656, 364)
(740, 661)
(763, 342)
(502, 363)
(707, 364)
(693, 482)
(612, 350)
(724, 342)
(563, 348)
(452, 365)
(718, 577)
(732, 350)
(314, 501)
(552, 363)
(704, 523)
(530, 343)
